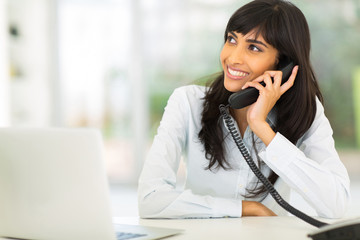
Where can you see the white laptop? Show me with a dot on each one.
(53, 187)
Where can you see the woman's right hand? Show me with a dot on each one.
(252, 208)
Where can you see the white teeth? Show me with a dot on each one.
(237, 73)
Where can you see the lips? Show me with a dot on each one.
(236, 73)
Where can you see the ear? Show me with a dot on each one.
(277, 60)
(276, 64)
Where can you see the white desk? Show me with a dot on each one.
(248, 228)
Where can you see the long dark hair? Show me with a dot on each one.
(283, 26)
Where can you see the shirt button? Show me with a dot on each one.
(240, 186)
(274, 158)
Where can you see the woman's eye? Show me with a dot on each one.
(254, 48)
(231, 39)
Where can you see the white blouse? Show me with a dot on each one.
(311, 167)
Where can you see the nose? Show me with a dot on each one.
(237, 55)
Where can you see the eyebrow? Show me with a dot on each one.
(250, 40)
(256, 41)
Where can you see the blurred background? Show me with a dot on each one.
(112, 64)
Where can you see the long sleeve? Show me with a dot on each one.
(313, 168)
(157, 194)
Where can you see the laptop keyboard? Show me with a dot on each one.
(125, 235)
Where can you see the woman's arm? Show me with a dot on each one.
(313, 168)
(253, 208)
(157, 194)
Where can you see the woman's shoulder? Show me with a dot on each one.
(320, 121)
(190, 92)
(194, 90)
(189, 99)
(320, 111)
(319, 105)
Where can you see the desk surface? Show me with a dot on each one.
(249, 228)
(231, 228)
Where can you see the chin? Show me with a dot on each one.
(232, 87)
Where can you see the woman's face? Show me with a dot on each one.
(243, 58)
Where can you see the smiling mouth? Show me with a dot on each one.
(236, 74)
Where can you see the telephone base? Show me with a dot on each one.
(345, 230)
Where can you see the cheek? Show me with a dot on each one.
(223, 55)
(259, 67)
(222, 58)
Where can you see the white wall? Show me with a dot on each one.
(4, 67)
(30, 60)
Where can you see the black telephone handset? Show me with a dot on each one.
(249, 95)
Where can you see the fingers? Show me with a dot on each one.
(277, 78)
(266, 78)
(268, 81)
(254, 84)
(290, 82)
(274, 79)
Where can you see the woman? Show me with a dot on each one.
(285, 129)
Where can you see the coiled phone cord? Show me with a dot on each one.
(240, 144)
